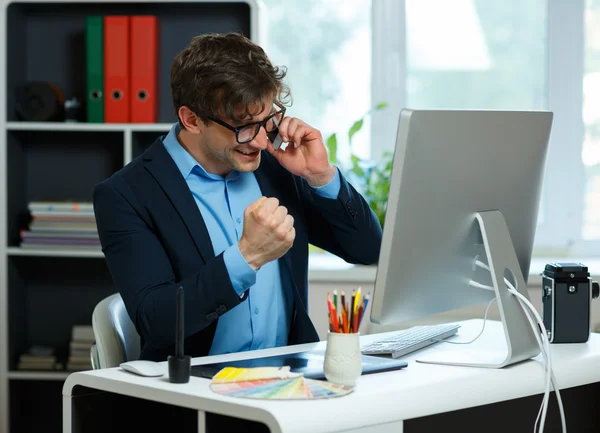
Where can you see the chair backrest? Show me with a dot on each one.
(117, 340)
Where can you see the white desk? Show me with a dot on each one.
(420, 398)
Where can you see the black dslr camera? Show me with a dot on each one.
(567, 293)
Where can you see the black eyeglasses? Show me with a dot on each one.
(247, 133)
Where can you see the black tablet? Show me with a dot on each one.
(309, 363)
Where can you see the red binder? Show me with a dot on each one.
(143, 68)
(116, 69)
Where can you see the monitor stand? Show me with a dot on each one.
(521, 343)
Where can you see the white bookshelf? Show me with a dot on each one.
(87, 127)
(44, 292)
(39, 375)
(18, 251)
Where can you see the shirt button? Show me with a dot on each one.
(255, 310)
(238, 220)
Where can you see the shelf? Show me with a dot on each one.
(47, 296)
(35, 406)
(87, 127)
(39, 375)
(45, 41)
(45, 291)
(74, 253)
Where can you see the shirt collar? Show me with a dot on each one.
(186, 162)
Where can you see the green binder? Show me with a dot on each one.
(94, 32)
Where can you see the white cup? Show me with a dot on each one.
(343, 361)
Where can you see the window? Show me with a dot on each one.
(346, 56)
(590, 154)
(326, 47)
(471, 54)
(514, 54)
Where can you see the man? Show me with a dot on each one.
(212, 207)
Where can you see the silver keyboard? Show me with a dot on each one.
(410, 340)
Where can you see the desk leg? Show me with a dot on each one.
(66, 414)
(201, 421)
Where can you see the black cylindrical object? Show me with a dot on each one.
(180, 368)
(39, 101)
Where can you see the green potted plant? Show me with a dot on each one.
(370, 177)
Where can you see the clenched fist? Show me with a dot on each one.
(268, 232)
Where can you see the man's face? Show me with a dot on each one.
(222, 152)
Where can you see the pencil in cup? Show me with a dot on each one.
(347, 317)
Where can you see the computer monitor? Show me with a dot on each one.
(465, 189)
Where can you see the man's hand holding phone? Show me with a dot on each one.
(306, 154)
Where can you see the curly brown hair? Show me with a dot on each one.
(226, 75)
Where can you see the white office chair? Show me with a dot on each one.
(117, 340)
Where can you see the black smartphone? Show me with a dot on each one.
(275, 139)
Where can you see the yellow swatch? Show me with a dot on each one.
(235, 374)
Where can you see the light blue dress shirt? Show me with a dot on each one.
(262, 320)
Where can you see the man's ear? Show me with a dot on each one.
(190, 120)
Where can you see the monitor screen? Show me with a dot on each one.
(453, 170)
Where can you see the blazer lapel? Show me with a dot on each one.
(162, 167)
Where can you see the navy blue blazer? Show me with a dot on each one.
(154, 240)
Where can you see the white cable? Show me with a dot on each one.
(544, 344)
(545, 348)
(480, 332)
(481, 286)
(541, 342)
(552, 380)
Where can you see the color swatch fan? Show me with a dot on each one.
(273, 383)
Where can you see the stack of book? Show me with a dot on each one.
(61, 225)
(38, 358)
(82, 339)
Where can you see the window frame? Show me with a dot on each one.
(561, 210)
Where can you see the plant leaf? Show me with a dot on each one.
(381, 105)
(356, 126)
(356, 169)
(332, 148)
